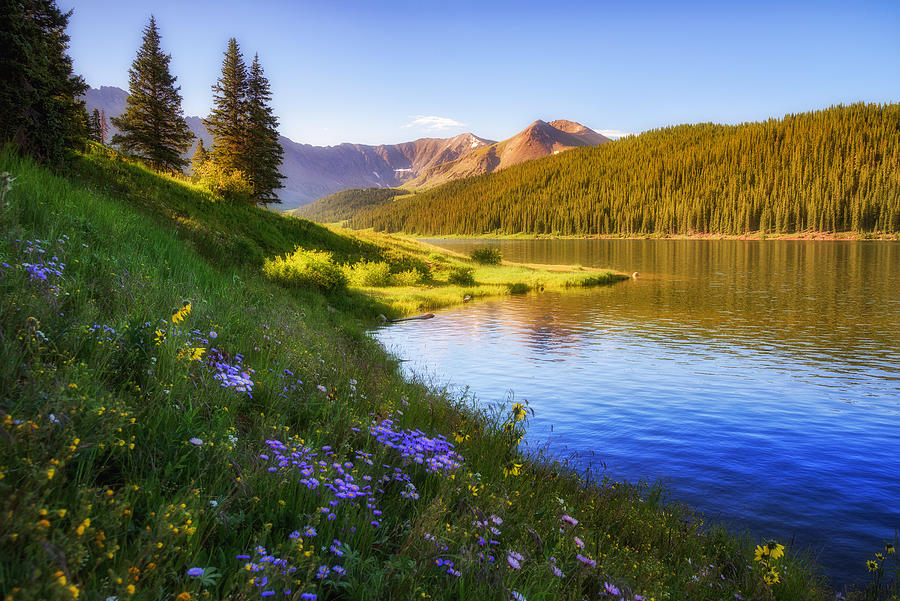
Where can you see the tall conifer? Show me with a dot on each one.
(264, 152)
(153, 126)
(200, 157)
(39, 112)
(227, 122)
(95, 130)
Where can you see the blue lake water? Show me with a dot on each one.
(759, 380)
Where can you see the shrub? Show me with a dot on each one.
(410, 277)
(366, 273)
(487, 255)
(232, 185)
(401, 262)
(461, 276)
(306, 269)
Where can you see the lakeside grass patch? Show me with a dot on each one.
(176, 426)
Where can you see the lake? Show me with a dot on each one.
(758, 380)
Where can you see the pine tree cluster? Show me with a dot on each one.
(39, 110)
(244, 128)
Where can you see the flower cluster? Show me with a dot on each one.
(230, 374)
(437, 454)
(766, 555)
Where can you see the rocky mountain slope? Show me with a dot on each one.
(538, 140)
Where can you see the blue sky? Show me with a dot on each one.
(384, 72)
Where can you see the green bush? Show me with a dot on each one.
(401, 262)
(232, 185)
(306, 269)
(369, 273)
(487, 255)
(462, 276)
(410, 277)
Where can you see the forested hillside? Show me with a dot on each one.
(346, 203)
(836, 169)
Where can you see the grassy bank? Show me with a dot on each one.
(177, 426)
(453, 277)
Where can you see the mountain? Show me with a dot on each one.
(312, 172)
(829, 170)
(538, 140)
(316, 171)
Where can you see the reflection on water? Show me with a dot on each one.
(759, 379)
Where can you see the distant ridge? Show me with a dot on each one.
(313, 172)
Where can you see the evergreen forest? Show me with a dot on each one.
(833, 170)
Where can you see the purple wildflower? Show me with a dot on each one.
(586, 560)
(195, 572)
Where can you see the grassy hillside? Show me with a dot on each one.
(832, 170)
(175, 426)
(346, 203)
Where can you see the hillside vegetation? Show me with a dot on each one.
(173, 425)
(833, 170)
(345, 204)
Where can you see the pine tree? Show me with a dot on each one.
(200, 158)
(95, 130)
(264, 152)
(227, 122)
(104, 127)
(39, 112)
(153, 126)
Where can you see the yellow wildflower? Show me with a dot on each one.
(50, 473)
(518, 411)
(511, 469)
(872, 565)
(130, 589)
(775, 550)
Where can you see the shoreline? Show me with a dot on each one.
(804, 236)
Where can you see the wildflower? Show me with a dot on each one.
(611, 589)
(322, 572)
(183, 312)
(762, 553)
(872, 565)
(586, 561)
(771, 576)
(518, 411)
(339, 570)
(578, 542)
(196, 441)
(195, 572)
(213, 335)
(889, 549)
(511, 469)
(308, 596)
(50, 473)
(517, 596)
(567, 519)
(130, 589)
(322, 388)
(185, 596)
(556, 571)
(775, 550)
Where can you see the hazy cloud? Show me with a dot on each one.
(612, 133)
(433, 123)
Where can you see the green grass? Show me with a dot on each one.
(124, 462)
